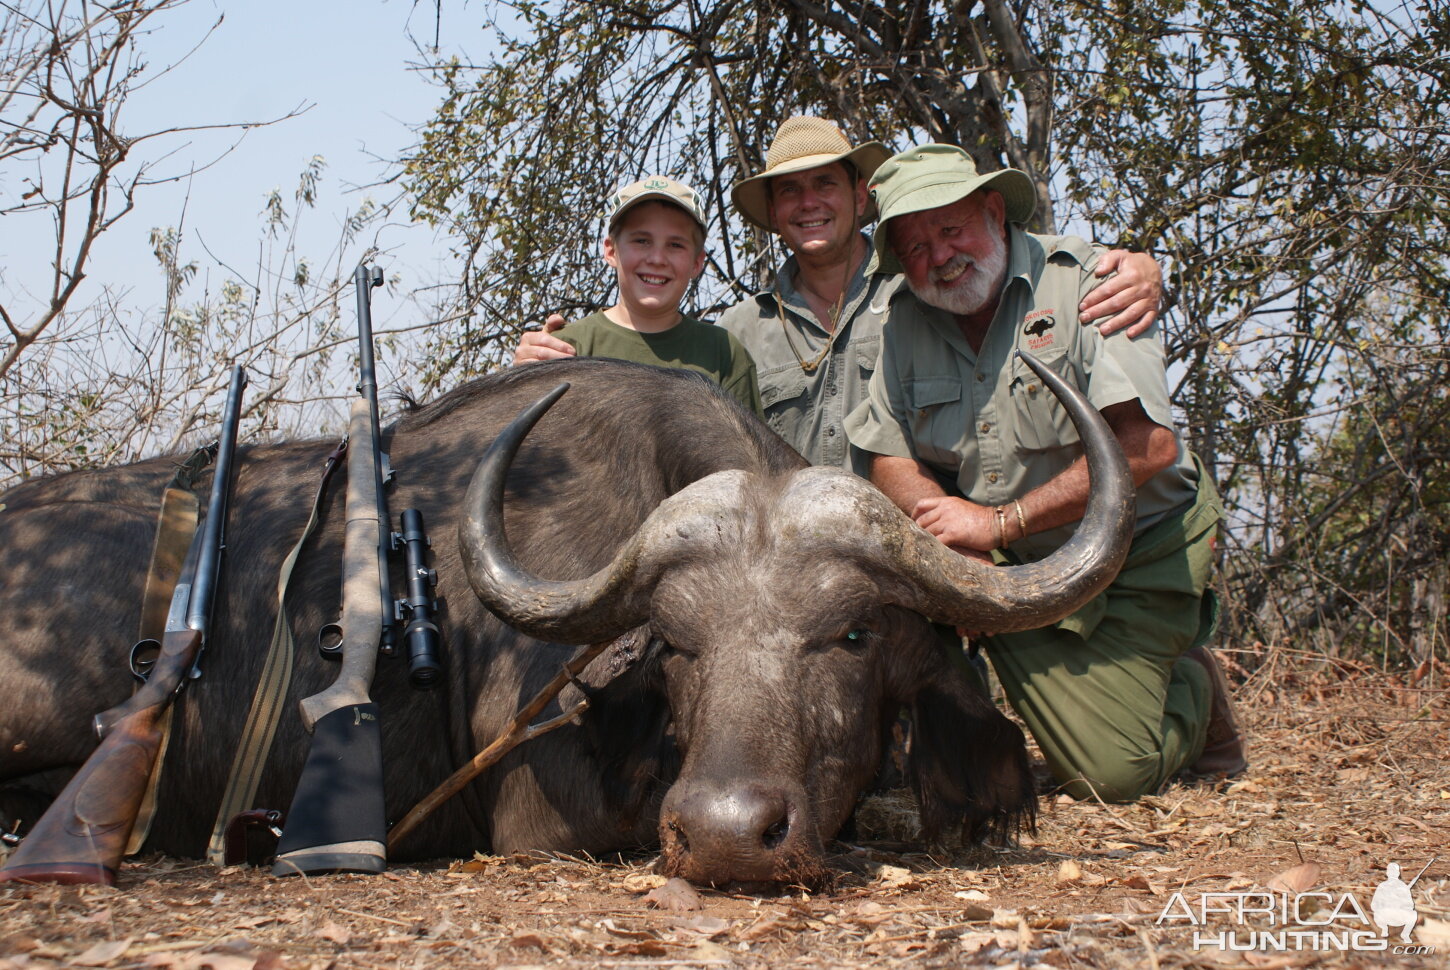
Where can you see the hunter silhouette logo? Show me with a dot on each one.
(1039, 326)
(1393, 905)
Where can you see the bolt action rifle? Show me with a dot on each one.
(337, 820)
(82, 836)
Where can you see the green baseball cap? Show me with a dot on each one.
(655, 188)
(931, 176)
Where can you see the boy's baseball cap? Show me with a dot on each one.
(655, 187)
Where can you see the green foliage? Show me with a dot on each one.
(1289, 161)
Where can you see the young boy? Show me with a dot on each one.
(656, 244)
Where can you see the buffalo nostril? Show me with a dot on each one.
(775, 833)
(680, 838)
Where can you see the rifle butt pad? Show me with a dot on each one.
(337, 822)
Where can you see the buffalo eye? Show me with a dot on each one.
(672, 649)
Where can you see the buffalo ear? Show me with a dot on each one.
(627, 728)
(969, 762)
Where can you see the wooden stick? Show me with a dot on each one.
(518, 731)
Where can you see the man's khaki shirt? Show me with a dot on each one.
(983, 422)
(808, 410)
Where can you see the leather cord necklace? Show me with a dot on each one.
(809, 366)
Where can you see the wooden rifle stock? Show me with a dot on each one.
(82, 836)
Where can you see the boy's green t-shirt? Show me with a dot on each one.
(689, 344)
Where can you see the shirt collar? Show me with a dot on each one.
(785, 280)
(1024, 259)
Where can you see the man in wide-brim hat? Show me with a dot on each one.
(815, 334)
(1123, 694)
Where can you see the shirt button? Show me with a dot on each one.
(986, 427)
(921, 412)
(991, 476)
(831, 431)
(981, 377)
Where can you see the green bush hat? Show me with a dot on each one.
(800, 143)
(931, 176)
(655, 187)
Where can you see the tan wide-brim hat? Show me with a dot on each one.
(800, 143)
(931, 176)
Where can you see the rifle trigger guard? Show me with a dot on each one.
(329, 641)
(143, 658)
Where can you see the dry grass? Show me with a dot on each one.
(1350, 771)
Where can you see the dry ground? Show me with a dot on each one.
(1351, 770)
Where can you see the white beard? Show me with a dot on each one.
(983, 285)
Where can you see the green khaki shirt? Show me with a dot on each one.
(984, 423)
(688, 345)
(809, 409)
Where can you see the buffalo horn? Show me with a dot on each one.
(951, 588)
(614, 599)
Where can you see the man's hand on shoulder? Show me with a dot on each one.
(537, 345)
(1129, 299)
(962, 526)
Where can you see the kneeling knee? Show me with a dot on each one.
(1121, 781)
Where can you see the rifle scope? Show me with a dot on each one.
(425, 667)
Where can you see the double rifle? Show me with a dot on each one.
(82, 836)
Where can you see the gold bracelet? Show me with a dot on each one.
(1021, 517)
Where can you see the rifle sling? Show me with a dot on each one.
(175, 525)
(276, 678)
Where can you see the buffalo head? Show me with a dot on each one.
(793, 610)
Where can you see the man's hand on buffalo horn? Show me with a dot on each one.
(963, 526)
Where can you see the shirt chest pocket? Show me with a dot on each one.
(783, 395)
(937, 420)
(866, 351)
(1042, 421)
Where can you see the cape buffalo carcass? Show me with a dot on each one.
(769, 618)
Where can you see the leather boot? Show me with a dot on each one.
(1223, 750)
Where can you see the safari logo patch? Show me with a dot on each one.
(1038, 328)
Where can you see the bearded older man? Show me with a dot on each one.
(1123, 694)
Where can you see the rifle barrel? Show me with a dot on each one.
(364, 279)
(208, 565)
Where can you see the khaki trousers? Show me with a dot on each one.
(1113, 708)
